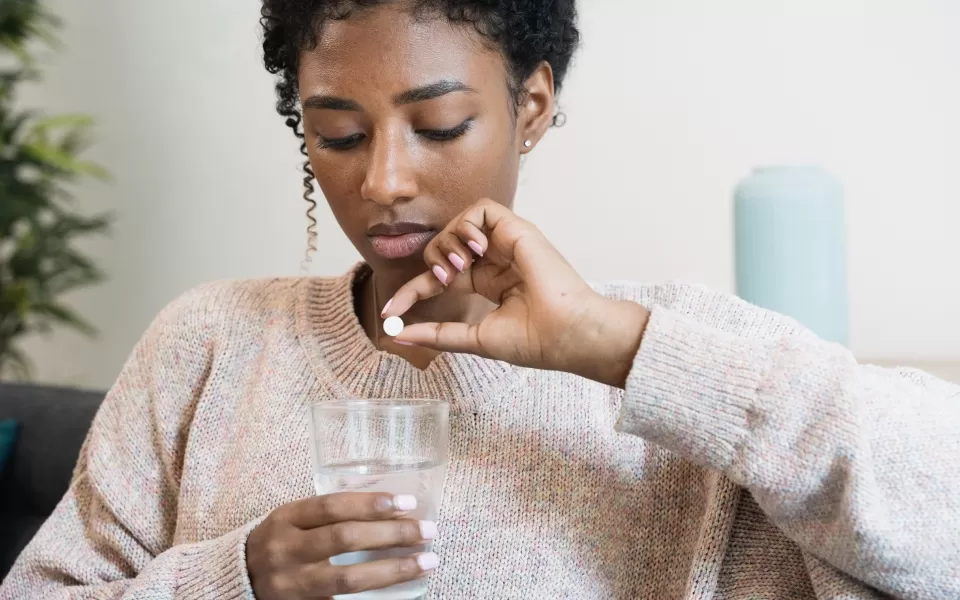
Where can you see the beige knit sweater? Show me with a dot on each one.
(745, 460)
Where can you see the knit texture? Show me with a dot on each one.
(746, 459)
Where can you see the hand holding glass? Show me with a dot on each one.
(397, 446)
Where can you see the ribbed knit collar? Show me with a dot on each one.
(345, 359)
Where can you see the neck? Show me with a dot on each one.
(443, 308)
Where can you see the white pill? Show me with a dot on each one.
(393, 326)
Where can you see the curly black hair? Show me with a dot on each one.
(527, 32)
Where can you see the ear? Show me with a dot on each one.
(536, 112)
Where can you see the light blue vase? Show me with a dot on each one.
(791, 247)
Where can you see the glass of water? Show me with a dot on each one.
(398, 446)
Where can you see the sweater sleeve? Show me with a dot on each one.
(111, 536)
(859, 465)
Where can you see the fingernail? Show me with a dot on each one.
(475, 247)
(441, 274)
(386, 307)
(428, 561)
(428, 530)
(456, 261)
(405, 502)
(403, 343)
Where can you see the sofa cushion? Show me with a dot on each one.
(53, 423)
(16, 532)
(8, 434)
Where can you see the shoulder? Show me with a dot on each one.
(216, 306)
(222, 305)
(720, 310)
(211, 321)
(240, 308)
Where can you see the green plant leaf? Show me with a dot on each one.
(16, 363)
(65, 316)
(68, 121)
(41, 158)
(56, 141)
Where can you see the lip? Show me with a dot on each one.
(400, 240)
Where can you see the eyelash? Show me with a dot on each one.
(445, 135)
(436, 135)
(339, 143)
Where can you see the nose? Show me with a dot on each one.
(391, 176)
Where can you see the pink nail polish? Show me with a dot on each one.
(428, 561)
(398, 342)
(428, 530)
(386, 307)
(405, 502)
(456, 261)
(441, 274)
(475, 247)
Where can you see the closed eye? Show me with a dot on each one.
(437, 135)
(445, 135)
(344, 143)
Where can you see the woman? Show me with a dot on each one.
(622, 441)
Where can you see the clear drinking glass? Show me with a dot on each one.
(397, 446)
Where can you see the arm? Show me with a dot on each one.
(111, 535)
(858, 465)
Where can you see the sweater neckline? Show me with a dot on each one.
(347, 362)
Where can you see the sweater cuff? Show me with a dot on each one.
(692, 388)
(218, 568)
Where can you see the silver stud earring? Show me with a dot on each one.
(528, 144)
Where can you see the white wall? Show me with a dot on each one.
(668, 106)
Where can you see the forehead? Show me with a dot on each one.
(386, 50)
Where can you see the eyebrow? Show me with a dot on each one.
(431, 91)
(418, 94)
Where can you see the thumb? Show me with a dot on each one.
(444, 337)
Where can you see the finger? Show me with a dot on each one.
(332, 580)
(318, 511)
(438, 262)
(486, 216)
(472, 237)
(352, 536)
(507, 233)
(423, 286)
(444, 337)
(455, 250)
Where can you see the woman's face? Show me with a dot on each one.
(408, 123)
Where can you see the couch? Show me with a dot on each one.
(53, 423)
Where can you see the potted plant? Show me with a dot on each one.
(39, 162)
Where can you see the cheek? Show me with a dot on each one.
(337, 174)
(481, 165)
(338, 183)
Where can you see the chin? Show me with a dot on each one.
(405, 268)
